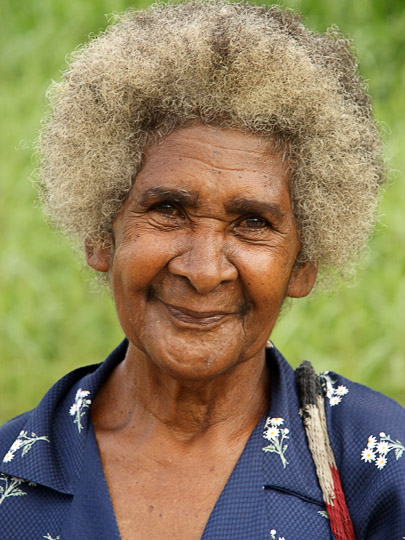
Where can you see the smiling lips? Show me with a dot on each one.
(200, 318)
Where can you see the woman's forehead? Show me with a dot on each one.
(196, 160)
(212, 143)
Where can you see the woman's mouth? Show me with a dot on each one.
(196, 318)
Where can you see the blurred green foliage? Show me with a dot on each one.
(53, 319)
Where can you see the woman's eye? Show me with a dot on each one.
(254, 223)
(166, 208)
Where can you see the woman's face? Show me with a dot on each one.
(204, 251)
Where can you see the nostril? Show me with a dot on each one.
(203, 270)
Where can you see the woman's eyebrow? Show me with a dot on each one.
(254, 206)
(160, 193)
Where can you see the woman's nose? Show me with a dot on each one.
(204, 263)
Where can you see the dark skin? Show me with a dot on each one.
(204, 255)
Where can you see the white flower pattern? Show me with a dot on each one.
(372, 442)
(24, 442)
(277, 437)
(377, 452)
(77, 409)
(334, 395)
(324, 514)
(49, 537)
(273, 536)
(368, 455)
(11, 487)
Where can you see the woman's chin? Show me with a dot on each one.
(197, 359)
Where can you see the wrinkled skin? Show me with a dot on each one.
(204, 251)
(204, 255)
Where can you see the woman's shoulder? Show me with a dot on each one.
(62, 406)
(355, 412)
(44, 421)
(367, 434)
(10, 431)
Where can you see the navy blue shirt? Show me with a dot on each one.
(52, 483)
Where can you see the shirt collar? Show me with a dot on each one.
(287, 463)
(54, 435)
(49, 448)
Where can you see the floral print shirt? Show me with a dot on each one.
(52, 483)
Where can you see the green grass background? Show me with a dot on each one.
(52, 320)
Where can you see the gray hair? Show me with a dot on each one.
(254, 68)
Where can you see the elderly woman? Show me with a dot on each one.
(212, 158)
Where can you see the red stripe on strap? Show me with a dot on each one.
(340, 521)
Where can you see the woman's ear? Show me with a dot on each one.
(99, 257)
(302, 280)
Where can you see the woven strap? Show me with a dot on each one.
(313, 416)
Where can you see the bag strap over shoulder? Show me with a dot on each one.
(314, 419)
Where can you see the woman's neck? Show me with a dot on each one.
(141, 398)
